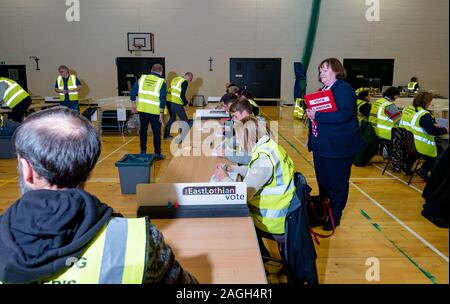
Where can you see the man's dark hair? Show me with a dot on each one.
(228, 98)
(413, 79)
(246, 94)
(363, 94)
(241, 106)
(60, 145)
(391, 92)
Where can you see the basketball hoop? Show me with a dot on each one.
(138, 46)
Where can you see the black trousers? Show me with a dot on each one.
(18, 112)
(153, 119)
(175, 110)
(333, 175)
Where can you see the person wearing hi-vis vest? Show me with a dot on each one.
(269, 177)
(68, 86)
(417, 119)
(56, 232)
(363, 105)
(384, 115)
(15, 98)
(151, 91)
(413, 85)
(178, 103)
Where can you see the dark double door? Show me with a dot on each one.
(260, 76)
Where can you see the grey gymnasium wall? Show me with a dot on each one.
(188, 32)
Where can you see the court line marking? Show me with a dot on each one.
(100, 161)
(425, 242)
(399, 179)
(9, 181)
(375, 225)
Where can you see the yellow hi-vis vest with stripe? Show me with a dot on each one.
(253, 103)
(270, 205)
(71, 84)
(175, 88)
(149, 92)
(381, 123)
(299, 112)
(411, 85)
(359, 103)
(117, 255)
(14, 94)
(359, 90)
(424, 142)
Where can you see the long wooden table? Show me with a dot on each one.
(215, 250)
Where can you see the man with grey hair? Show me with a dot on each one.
(68, 85)
(59, 233)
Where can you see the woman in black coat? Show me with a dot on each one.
(334, 138)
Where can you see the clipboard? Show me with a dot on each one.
(322, 101)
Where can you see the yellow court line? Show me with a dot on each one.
(9, 181)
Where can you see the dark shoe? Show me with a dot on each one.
(423, 174)
(159, 157)
(328, 226)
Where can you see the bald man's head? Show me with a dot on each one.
(61, 146)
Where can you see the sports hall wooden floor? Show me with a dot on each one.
(382, 218)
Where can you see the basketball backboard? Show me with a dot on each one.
(140, 42)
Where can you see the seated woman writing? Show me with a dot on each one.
(269, 177)
(418, 119)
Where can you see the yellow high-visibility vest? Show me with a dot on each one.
(425, 143)
(299, 112)
(149, 93)
(71, 84)
(175, 88)
(14, 94)
(117, 255)
(270, 205)
(411, 85)
(359, 103)
(381, 123)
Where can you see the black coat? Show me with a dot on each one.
(436, 193)
(299, 253)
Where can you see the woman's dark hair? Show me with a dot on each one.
(228, 98)
(241, 106)
(422, 99)
(391, 92)
(363, 94)
(413, 79)
(61, 146)
(335, 65)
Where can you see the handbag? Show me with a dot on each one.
(319, 212)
